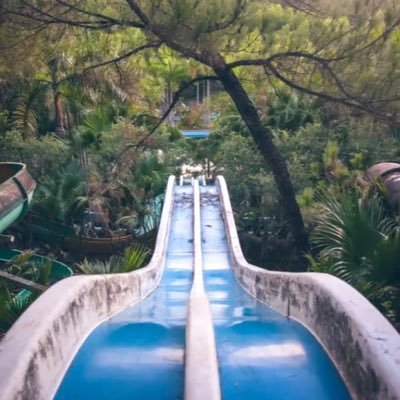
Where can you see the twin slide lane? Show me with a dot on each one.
(261, 353)
(139, 353)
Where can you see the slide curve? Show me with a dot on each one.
(199, 322)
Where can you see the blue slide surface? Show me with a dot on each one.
(139, 353)
(261, 353)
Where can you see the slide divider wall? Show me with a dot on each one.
(363, 345)
(201, 365)
(38, 349)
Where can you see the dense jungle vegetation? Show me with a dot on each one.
(304, 98)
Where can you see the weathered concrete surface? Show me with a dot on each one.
(201, 365)
(38, 349)
(360, 341)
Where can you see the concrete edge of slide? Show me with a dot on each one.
(201, 365)
(363, 345)
(38, 349)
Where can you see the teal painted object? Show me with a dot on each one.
(16, 191)
(195, 133)
(58, 271)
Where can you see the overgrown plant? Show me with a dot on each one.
(134, 258)
(11, 307)
(358, 240)
(63, 197)
(36, 271)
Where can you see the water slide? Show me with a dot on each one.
(262, 354)
(200, 323)
(16, 191)
(138, 353)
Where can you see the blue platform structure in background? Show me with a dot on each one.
(195, 133)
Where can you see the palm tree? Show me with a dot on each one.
(359, 242)
(30, 107)
(64, 196)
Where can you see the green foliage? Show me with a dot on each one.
(11, 307)
(13, 302)
(133, 258)
(63, 196)
(43, 156)
(31, 104)
(359, 242)
(150, 175)
(23, 265)
(290, 112)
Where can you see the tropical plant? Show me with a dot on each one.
(359, 242)
(134, 258)
(11, 307)
(12, 303)
(63, 197)
(38, 271)
(31, 105)
(150, 175)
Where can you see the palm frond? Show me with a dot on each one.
(134, 258)
(359, 242)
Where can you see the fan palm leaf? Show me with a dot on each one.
(359, 242)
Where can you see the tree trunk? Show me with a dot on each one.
(271, 154)
(60, 131)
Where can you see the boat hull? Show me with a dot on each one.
(101, 246)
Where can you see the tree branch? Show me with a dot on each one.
(359, 104)
(49, 16)
(175, 100)
(138, 11)
(153, 44)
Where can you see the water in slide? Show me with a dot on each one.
(139, 353)
(261, 353)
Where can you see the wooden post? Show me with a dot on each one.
(17, 280)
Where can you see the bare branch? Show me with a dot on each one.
(303, 6)
(365, 106)
(138, 11)
(92, 20)
(154, 44)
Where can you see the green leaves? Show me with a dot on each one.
(359, 241)
(11, 307)
(133, 258)
(33, 269)
(61, 197)
(31, 101)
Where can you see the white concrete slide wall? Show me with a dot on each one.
(36, 352)
(360, 341)
(201, 365)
